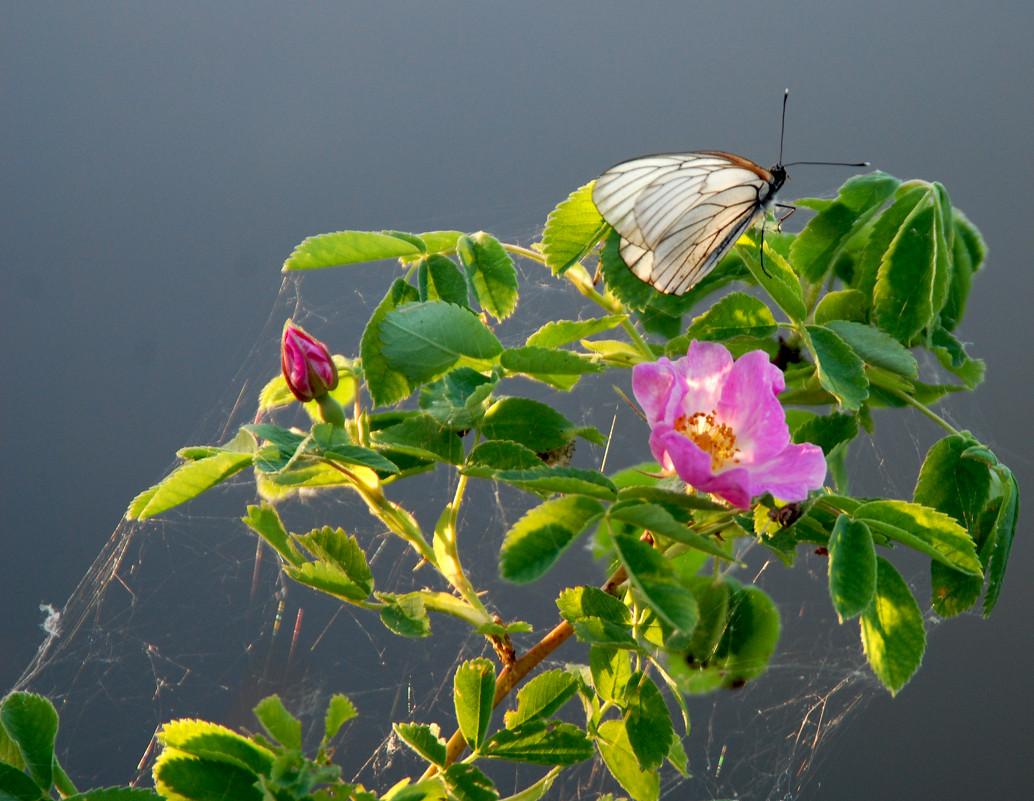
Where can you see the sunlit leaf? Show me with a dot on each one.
(655, 584)
(737, 314)
(540, 742)
(542, 697)
(423, 739)
(347, 247)
(892, 629)
(473, 694)
(31, 722)
(620, 759)
(538, 539)
(385, 383)
(572, 228)
(423, 340)
(279, 724)
(186, 482)
(491, 273)
(839, 369)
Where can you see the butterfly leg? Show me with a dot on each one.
(790, 210)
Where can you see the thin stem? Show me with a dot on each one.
(915, 404)
(447, 552)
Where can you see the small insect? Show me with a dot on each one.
(678, 214)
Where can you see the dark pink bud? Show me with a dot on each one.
(308, 369)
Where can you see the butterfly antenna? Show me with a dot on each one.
(782, 125)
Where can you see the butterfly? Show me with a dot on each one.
(678, 214)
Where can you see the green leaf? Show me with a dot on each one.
(503, 454)
(824, 239)
(177, 776)
(280, 725)
(112, 794)
(339, 711)
(426, 790)
(610, 669)
(876, 347)
(713, 604)
(750, 637)
(467, 783)
(563, 332)
(491, 273)
(474, 692)
(343, 555)
(578, 602)
(737, 314)
(333, 444)
(347, 247)
(542, 697)
(655, 584)
(265, 522)
(597, 617)
(536, 541)
(852, 567)
(15, 785)
(959, 486)
(924, 529)
(777, 278)
(558, 368)
(953, 357)
(538, 790)
(892, 629)
(1004, 532)
(440, 241)
(187, 482)
(620, 759)
(840, 370)
(423, 340)
(421, 435)
(423, 739)
(967, 257)
(550, 480)
(655, 518)
(31, 722)
(211, 742)
(540, 742)
(844, 304)
(826, 431)
(440, 279)
(531, 423)
(913, 276)
(459, 399)
(328, 579)
(406, 615)
(384, 382)
(572, 228)
(648, 723)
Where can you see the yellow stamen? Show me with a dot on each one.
(710, 436)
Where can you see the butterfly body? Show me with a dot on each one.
(678, 214)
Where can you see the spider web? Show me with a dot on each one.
(184, 616)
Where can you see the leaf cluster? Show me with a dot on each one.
(879, 274)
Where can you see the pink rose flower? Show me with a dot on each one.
(307, 366)
(718, 425)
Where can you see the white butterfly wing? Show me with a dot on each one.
(679, 214)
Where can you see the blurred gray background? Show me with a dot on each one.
(159, 162)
